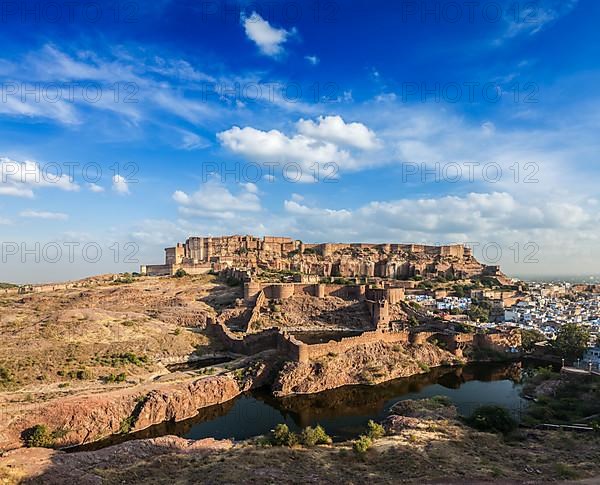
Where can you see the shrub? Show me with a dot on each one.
(441, 400)
(362, 444)
(39, 436)
(491, 418)
(126, 425)
(6, 377)
(180, 273)
(314, 436)
(374, 430)
(116, 378)
(282, 436)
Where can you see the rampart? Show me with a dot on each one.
(255, 314)
(500, 342)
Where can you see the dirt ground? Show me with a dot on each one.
(72, 339)
(441, 451)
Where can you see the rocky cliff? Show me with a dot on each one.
(82, 419)
(365, 364)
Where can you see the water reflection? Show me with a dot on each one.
(345, 411)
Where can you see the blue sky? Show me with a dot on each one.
(408, 121)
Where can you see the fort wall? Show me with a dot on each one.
(255, 314)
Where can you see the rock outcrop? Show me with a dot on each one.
(82, 419)
(178, 402)
(365, 364)
(52, 467)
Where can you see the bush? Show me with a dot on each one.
(362, 444)
(5, 376)
(39, 436)
(282, 436)
(116, 378)
(314, 436)
(374, 430)
(126, 425)
(491, 418)
(180, 273)
(441, 400)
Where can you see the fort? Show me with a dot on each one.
(381, 327)
(375, 278)
(386, 260)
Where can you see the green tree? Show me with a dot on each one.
(529, 338)
(479, 312)
(571, 341)
(38, 436)
(491, 418)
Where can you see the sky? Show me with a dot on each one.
(126, 126)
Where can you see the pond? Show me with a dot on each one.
(343, 412)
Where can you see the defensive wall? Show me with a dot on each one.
(294, 350)
(282, 291)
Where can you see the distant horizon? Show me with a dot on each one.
(527, 279)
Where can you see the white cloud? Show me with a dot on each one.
(488, 128)
(214, 199)
(314, 60)
(496, 219)
(192, 141)
(95, 187)
(269, 40)
(532, 18)
(275, 147)
(19, 179)
(325, 142)
(336, 130)
(250, 187)
(55, 216)
(120, 185)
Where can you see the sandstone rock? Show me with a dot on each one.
(83, 419)
(181, 401)
(365, 364)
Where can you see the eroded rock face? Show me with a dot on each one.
(83, 419)
(365, 364)
(178, 402)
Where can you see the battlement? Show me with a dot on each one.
(347, 260)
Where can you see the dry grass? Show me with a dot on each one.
(451, 454)
(75, 336)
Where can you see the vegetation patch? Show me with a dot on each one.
(40, 436)
(492, 418)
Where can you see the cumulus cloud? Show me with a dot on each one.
(327, 141)
(526, 231)
(214, 199)
(120, 185)
(274, 146)
(269, 39)
(20, 179)
(335, 129)
(314, 60)
(55, 216)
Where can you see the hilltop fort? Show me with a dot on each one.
(349, 260)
